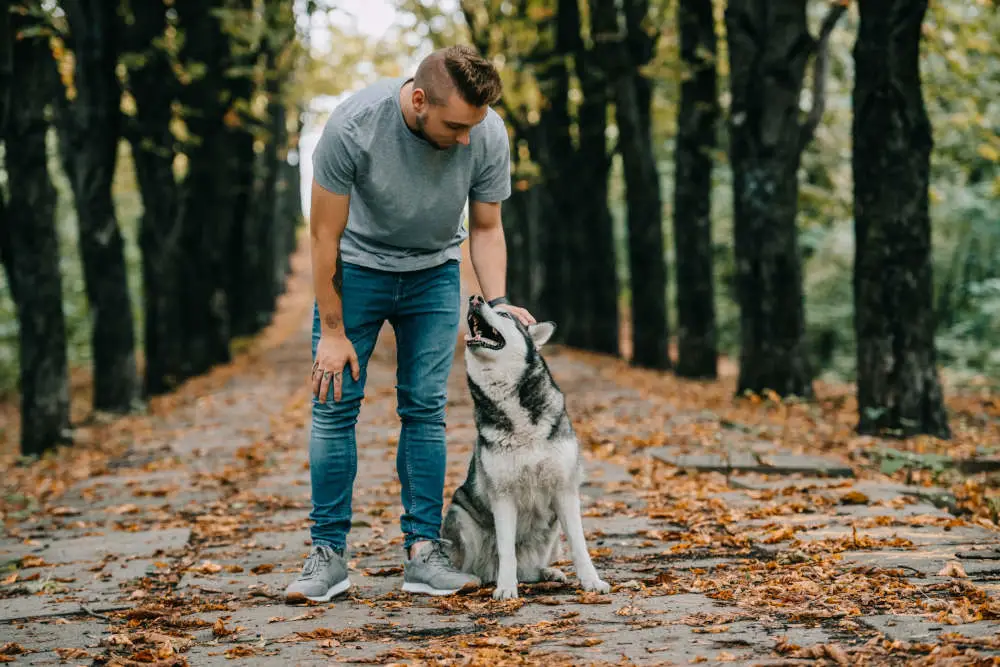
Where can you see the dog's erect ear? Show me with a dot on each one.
(541, 332)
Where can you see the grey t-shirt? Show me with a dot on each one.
(407, 197)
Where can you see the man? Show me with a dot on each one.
(393, 169)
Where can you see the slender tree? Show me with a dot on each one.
(593, 289)
(769, 49)
(90, 125)
(154, 88)
(697, 116)
(207, 196)
(29, 246)
(647, 264)
(898, 387)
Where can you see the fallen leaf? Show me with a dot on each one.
(711, 629)
(64, 511)
(73, 654)
(854, 498)
(590, 641)
(33, 561)
(953, 569)
(12, 648)
(263, 568)
(547, 599)
(208, 567)
(240, 652)
(219, 629)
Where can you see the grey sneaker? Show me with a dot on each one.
(323, 576)
(431, 572)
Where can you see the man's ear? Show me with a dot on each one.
(419, 98)
(541, 332)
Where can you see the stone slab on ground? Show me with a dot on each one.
(741, 461)
(922, 628)
(95, 547)
(918, 535)
(41, 606)
(928, 560)
(44, 637)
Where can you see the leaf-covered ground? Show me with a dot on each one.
(167, 538)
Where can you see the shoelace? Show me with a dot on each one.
(320, 555)
(437, 556)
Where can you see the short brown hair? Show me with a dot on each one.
(462, 69)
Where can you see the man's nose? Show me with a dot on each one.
(463, 138)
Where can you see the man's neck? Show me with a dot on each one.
(406, 104)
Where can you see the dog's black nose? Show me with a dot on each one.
(475, 300)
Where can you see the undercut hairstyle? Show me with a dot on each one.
(461, 69)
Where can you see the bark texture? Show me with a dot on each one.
(90, 136)
(647, 264)
(208, 192)
(164, 264)
(769, 49)
(29, 246)
(899, 392)
(697, 116)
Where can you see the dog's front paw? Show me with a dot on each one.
(553, 574)
(505, 592)
(595, 585)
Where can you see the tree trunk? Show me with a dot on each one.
(30, 247)
(515, 216)
(290, 199)
(164, 264)
(769, 45)
(696, 126)
(206, 193)
(899, 392)
(647, 264)
(93, 132)
(246, 276)
(553, 150)
(593, 288)
(279, 191)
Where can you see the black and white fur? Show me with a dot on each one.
(524, 478)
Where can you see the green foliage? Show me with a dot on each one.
(961, 76)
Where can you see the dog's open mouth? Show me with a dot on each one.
(481, 334)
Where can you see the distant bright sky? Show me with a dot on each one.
(370, 17)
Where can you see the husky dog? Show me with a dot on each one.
(524, 477)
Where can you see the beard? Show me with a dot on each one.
(421, 120)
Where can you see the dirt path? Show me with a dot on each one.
(171, 542)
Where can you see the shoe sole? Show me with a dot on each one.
(335, 590)
(427, 589)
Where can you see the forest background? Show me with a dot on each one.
(296, 58)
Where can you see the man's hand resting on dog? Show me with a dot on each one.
(333, 352)
(520, 313)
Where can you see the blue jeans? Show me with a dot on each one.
(424, 309)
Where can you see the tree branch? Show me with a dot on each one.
(819, 73)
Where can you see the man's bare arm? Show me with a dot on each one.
(488, 250)
(327, 220)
